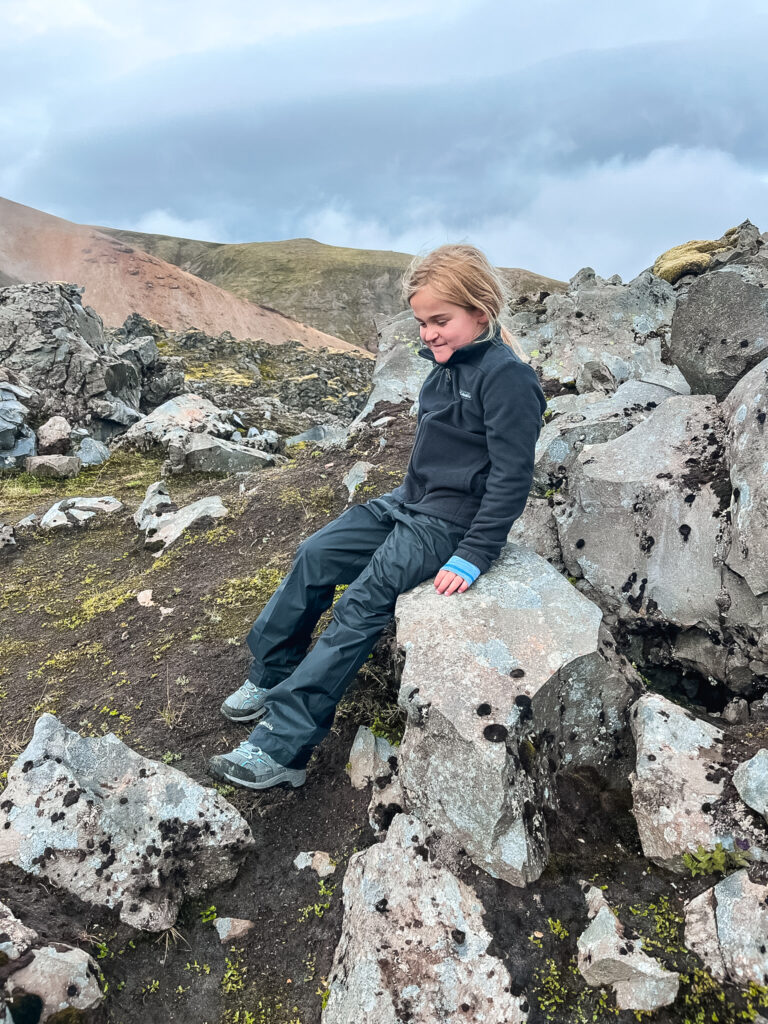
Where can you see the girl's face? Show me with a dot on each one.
(443, 326)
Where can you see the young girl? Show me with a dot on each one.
(470, 471)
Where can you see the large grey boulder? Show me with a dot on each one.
(92, 452)
(599, 333)
(413, 944)
(751, 782)
(503, 686)
(720, 326)
(679, 785)
(61, 347)
(399, 371)
(64, 978)
(645, 513)
(203, 453)
(53, 437)
(58, 467)
(17, 439)
(536, 529)
(170, 422)
(114, 828)
(745, 410)
(587, 422)
(727, 926)
(607, 957)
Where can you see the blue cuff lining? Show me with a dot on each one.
(463, 568)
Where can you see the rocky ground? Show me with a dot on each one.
(100, 661)
(570, 823)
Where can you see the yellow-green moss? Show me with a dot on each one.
(691, 257)
(62, 662)
(218, 372)
(96, 604)
(247, 590)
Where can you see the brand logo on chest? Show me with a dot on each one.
(464, 394)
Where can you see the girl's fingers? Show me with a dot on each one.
(450, 583)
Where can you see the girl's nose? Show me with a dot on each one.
(430, 333)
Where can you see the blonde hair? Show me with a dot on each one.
(462, 275)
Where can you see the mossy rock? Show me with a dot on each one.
(691, 257)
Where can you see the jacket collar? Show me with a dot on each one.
(467, 353)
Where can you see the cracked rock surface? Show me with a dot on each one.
(115, 828)
(413, 944)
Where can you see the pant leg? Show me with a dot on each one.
(300, 708)
(335, 554)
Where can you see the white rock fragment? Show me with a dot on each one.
(231, 929)
(357, 475)
(606, 957)
(15, 937)
(75, 511)
(144, 597)
(368, 758)
(156, 502)
(318, 860)
(166, 529)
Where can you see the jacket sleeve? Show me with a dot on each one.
(513, 406)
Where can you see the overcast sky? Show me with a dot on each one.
(554, 135)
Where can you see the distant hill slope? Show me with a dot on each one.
(335, 289)
(120, 279)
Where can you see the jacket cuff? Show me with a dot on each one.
(474, 558)
(461, 567)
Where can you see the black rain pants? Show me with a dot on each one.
(379, 549)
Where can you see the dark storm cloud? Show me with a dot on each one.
(464, 126)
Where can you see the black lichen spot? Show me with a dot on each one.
(483, 710)
(382, 905)
(458, 936)
(73, 990)
(580, 543)
(706, 807)
(689, 499)
(495, 733)
(523, 702)
(71, 797)
(761, 417)
(684, 531)
(646, 543)
(27, 766)
(517, 673)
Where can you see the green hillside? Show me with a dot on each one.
(334, 289)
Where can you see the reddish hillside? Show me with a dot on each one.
(120, 279)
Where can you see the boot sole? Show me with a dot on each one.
(252, 716)
(282, 781)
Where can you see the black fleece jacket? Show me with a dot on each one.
(480, 414)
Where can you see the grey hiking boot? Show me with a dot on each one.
(251, 767)
(246, 703)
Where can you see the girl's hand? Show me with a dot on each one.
(450, 583)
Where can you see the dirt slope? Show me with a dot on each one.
(336, 289)
(120, 279)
